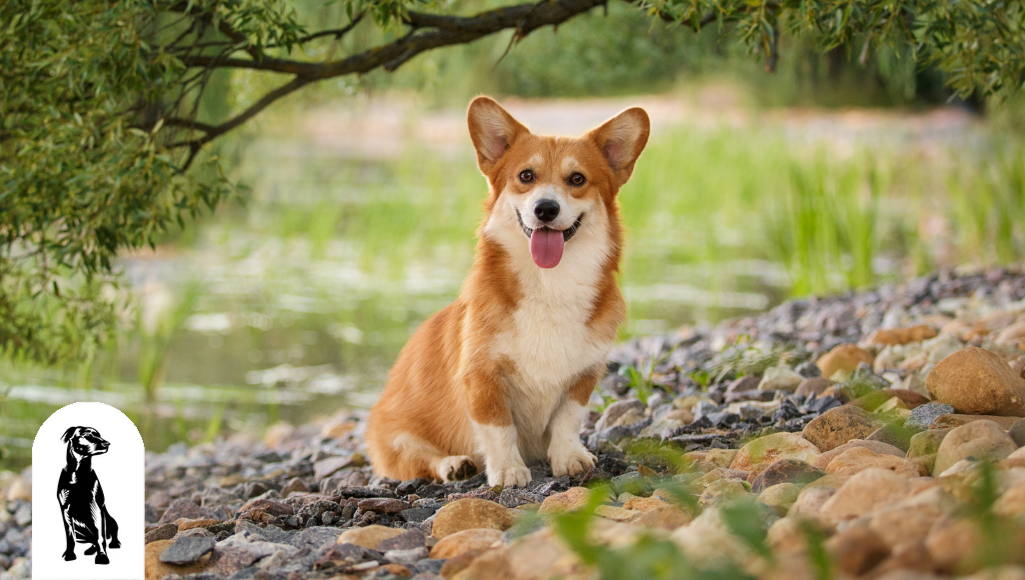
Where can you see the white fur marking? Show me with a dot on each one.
(502, 458)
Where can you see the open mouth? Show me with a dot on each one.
(546, 244)
(566, 233)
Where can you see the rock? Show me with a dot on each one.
(790, 534)
(1017, 432)
(722, 491)
(923, 416)
(859, 459)
(781, 378)
(911, 519)
(814, 385)
(956, 420)
(226, 561)
(758, 454)
(845, 357)
(184, 551)
(838, 426)
(164, 532)
(326, 467)
(856, 549)
(464, 541)
(707, 541)
(893, 336)
(976, 440)
(875, 399)
(383, 505)
(295, 485)
(780, 497)
(187, 524)
(531, 557)
(616, 514)
(616, 410)
(1011, 503)
(954, 543)
(569, 500)
(810, 501)
(156, 570)
(786, 471)
(721, 457)
(1013, 335)
(369, 536)
(666, 518)
(180, 508)
(893, 435)
(20, 489)
(865, 492)
(406, 557)
(977, 382)
(926, 442)
(877, 446)
(469, 514)
(408, 540)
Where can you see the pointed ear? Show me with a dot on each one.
(492, 130)
(69, 434)
(621, 140)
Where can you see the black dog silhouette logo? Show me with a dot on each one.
(89, 496)
(83, 506)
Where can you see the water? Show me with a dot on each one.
(357, 229)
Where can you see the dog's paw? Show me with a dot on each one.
(69, 555)
(456, 467)
(114, 544)
(512, 476)
(102, 559)
(571, 461)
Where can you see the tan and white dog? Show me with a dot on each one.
(500, 377)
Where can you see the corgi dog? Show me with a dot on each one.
(499, 379)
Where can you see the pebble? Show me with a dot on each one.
(470, 513)
(786, 471)
(976, 440)
(844, 357)
(923, 416)
(185, 551)
(757, 455)
(838, 426)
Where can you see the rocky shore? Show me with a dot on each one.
(868, 435)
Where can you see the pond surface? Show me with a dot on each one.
(360, 225)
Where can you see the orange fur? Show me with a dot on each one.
(471, 374)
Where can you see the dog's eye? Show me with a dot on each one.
(577, 179)
(526, 176)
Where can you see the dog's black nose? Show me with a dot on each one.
(546, 210)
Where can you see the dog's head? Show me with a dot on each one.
(549, 194)
(85, 441)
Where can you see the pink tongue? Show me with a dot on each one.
(546, 247)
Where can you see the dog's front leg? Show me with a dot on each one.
(494, 430)
(566, 453)
(62, 498)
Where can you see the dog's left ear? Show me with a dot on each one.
(69, 434)
(621, 140)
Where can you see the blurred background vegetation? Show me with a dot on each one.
(361, 200)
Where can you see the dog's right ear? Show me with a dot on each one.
(69, 434)
(492, 130)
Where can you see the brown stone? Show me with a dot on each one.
(858, 459)
(470, 514)
(956, 420)
(155, 569)
(786, 471)
(758, 454)
(978, 382)
(162, 532)
(810, 501)
(780, 497)
(538, 555)
(814, 385)
(569, 500)
(790, 534)
(976, 440)
(856, 549)
(877, 446)
(892, 336)
(845, 357)
(865, 492)
(643, 504)
(457, 564)
(187, 524)
(838, 426)
(465, 541)
(368, 536)
(927, 442)
(666, 518)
